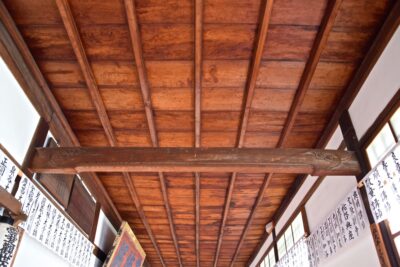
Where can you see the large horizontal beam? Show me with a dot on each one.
(246, 160)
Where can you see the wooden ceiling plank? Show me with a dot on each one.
(316, 51)
(139, 208)
(250, 88)
(380, 42)
(76, 42)
(309, 70)
(42, 98)
(136, 42)
(74, 37)
(197, 115)
(180, 159)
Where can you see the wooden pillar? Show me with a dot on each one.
(380, 232)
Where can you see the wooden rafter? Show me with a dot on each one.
(309, 70)
(139, 208)
(144, 86)
(197, 115)
(246, 160)
(76, 42)
(316, 51)
(381, 40)
(250, 87)
(74, 37)
(35, 86)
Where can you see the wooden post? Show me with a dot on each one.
(380, 232)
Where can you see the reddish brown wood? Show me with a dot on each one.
(25, 69)
(139, 208)
(197, 110)
(250, 87)
(74, 37)
(140, 67)
(318, 47)
(130, 10)
(76, 42)
(246, 160)
(381, 40)
(198, 68)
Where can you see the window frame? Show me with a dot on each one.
(275, 238)
(366, 140)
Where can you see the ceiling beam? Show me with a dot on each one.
(254, 70)
(73, 160)
(16, 54)
(309, 70)
(136, 42)
(197, 114)
(76, 42)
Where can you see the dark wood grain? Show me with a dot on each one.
(247, 160)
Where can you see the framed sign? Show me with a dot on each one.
(126, 251)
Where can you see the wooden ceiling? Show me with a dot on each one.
(185, 73)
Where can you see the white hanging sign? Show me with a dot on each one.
(383, 186)
(8, 172)
(49, 226)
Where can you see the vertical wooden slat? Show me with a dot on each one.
(197, 116)
(136, 42)
(318, 46)
(250, 87)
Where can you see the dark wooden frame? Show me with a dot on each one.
(373, 131)
(385, 248)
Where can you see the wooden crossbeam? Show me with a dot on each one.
(248, 160)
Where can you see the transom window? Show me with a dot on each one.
(288, 237)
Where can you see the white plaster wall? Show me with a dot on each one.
(380, 86)
(18, 117)
(325, 199)
(33, 254)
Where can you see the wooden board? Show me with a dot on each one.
(167, 33)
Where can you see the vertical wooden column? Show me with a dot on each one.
(275, 244)
(380, 232)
